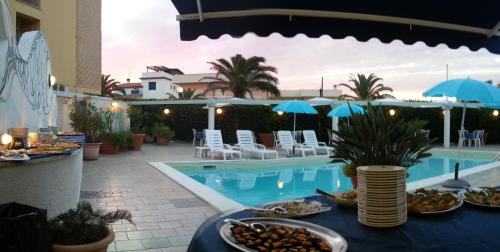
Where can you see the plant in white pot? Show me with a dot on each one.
(84, 229)
(378, 149)
(86, 118)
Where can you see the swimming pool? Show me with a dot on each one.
(256, 182)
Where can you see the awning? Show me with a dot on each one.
(474, 24)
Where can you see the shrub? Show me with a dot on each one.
(85, 118)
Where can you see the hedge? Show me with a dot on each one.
(183, 118)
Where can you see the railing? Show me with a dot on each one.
(33, 3)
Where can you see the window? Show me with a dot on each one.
(152, 85)
(134, 91)
(25, 24)
(34, 3)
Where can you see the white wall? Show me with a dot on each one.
(164, 85)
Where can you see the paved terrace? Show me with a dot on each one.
(166, 215)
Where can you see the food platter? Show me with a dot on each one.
(425, 202)
(294, 209)
(13, 155)
(345, 199)
(335, 242)
(491, 196)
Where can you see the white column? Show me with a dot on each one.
(446, 131)
(211, 117)
(335, 123)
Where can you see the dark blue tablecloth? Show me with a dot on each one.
(469, 228)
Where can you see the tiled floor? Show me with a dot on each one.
(166, 215)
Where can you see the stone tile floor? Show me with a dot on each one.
(166, 215)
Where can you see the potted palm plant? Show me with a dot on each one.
(85, 118)
(84, 229)
(137, 117)
(163, 134)
(378, 149)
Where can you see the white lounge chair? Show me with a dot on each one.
(250, 148)
(216, 146)
(287, 142)
(310, 140)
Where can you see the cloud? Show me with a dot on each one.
(141, 33)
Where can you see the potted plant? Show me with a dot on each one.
(111, 141)
(83, 229)
(163, 134)
(137, 117)
(85, 118)
(378, 149)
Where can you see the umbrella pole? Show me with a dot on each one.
(456, 182)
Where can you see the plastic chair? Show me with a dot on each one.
(463, 136)
(477, 137)
(198, 136)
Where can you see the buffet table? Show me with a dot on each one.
(45, 181)
(469, 228)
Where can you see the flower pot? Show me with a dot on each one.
(99, 246)
(149, 139)
(138, 141)
(108, 147)
(162, 140)
(266, 139)
(381, 196)
(91, 151)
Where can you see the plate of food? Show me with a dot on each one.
(432, 201)
(291, 209)
(271, 234)
(44, 150)
(346, 199)
(14, 155)
(482, 196)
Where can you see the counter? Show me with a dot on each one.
(52, 183)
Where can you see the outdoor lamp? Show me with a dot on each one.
(115, 104)
(495, 112)
(6, 139)
(280, 113)
(52, 80)
(219, 111)
(180, 89)
(392, 112)
(166, 111)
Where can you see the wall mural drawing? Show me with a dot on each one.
(26, 98)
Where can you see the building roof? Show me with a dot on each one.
(130, 85)
(172, 71)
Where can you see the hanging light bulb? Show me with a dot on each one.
(392, 112)
(219, 111)
(166, 111)
(280, 113)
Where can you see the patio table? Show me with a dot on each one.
(469, 228)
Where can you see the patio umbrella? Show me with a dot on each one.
(295, 107)
(465, 90)
(344, 111)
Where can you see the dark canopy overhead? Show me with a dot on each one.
(456, 23)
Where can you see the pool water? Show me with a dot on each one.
(255, 183)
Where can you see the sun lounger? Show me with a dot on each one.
(216, 146)
(250, 148)
(287, 142)
(311, 141)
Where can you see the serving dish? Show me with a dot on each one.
(293, 209)
(432, 201)
(345, 199)
(14, 155)
(335, 242)
(483, 196)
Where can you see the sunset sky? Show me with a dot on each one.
(137, 34)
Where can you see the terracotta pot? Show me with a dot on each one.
(162, 140)
(266, 139)
(108, 147)
(354, 181)
(149, 139)
(138, 141)
(99, 246)
(91, 151)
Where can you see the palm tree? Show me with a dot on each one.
(188, 94)
(109, 87)
(242, 76)
(366, 88)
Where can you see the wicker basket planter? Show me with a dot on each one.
(382, 196)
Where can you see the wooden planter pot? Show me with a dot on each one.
(382, 196)
(91, 151)
(99, 246)
(138, 141)
(108, 147)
